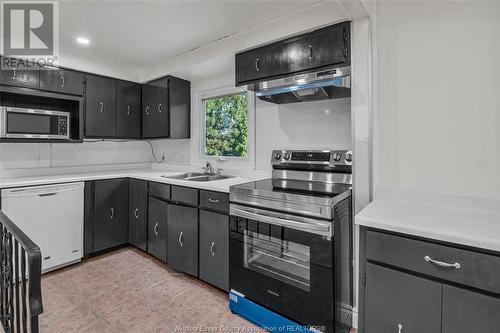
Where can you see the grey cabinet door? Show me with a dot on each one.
(128, 110)
(214, 249)
(61, 80)
(138, 210)
(100, 106)
(111, 213)
(157, 229)
(183, 238)
(394, 298)
(466, 311)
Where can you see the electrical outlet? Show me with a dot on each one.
(163, 157)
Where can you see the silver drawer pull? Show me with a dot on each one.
(112, 215)
(136, 213)
(212, 249)
(180, 239)
(62, 80)
(441, 263)
(400, 328)
(129, 110)
(147, 110)
(101, 106)
(213, 200)
(159, 108)
(156, 229)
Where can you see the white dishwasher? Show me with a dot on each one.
(52, 216)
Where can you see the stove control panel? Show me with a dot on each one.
(312, 157)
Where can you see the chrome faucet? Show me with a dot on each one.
(208, 168)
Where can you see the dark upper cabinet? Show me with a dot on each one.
(214, 249)
(182, 238)
(166, 108)
(20, 73)
(110, 213)
(466, 311)
(100, 108)
(399, 302)
(138, 213)
(157, 229)
(179, 108)
(155, 109)
(128, 110)
(324, 47)
(61, 80)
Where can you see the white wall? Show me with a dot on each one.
(438, 109)
(15, 156)
(313, 125)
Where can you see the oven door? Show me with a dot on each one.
(283, 262)
(32, 123)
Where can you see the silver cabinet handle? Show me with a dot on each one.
(101, 106)
(212, 249)
(156, 229)
(180, 239)
(257, 64)
(310, 52)
(147, 110)
(441, 263)
(213, 200)
(136, 213)
(400, 328)
(112, 216)
(129, 110)
(159, 108)
(62, 80)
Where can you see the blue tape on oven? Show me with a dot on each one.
(263, 317)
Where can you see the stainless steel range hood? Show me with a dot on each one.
(324, 84)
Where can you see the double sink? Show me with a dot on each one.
(198, 177)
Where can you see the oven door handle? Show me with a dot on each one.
(319, 228)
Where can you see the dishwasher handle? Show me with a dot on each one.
(43, 190)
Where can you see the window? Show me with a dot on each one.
(226, 126)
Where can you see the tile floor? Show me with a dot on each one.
(129, 291)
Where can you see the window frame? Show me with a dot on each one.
(225, 161)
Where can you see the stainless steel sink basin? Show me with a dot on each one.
(198, 177)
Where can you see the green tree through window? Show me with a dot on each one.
(226, 126)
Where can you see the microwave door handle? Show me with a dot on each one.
(308, 227)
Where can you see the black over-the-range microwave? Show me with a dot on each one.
(26, 123)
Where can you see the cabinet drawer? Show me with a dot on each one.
(159, 190)
(214, 200)
(185, 194)
(476, 270)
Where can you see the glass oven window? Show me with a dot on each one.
(279, 259)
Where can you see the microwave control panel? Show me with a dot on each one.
(63, 125)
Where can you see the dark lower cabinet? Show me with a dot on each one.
(128, 110)
(182, 239)
(110, 215)
(214, 249)
(466, 311)
(420, 285)
(157, 228)
(138, 213)
(100, 106)
(394, 298)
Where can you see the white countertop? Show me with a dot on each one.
(144, 174)
(462, 220)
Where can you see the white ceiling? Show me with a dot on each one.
(136, 34)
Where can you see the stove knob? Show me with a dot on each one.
(348, 157)
(336, 157)
(277, 156)
(287, 156)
